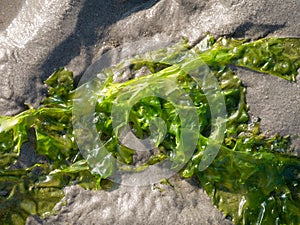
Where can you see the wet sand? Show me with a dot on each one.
(8, 11)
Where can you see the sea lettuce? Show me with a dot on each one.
(253, 178)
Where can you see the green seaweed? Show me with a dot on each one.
(253, 178)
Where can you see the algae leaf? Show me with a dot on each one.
(253, 179)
